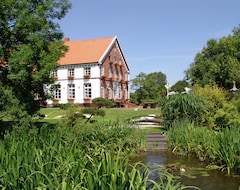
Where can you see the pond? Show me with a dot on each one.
(195, 172)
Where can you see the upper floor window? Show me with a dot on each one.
(115, 73)
(87, 71)
(102, 70)
(71, 91)
(110, 72)
(54, 73)
(71, 72)
(115, 59)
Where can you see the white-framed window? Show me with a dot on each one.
(71, 72)
(71, 91)
(109, 93)
(120, 73)
(102, 91)
(87, 71)
(115, 59)
(116, 73)
(110, 72)
(87, 90)
(55, 73)
(102, 70)
(57, 93)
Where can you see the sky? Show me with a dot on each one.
(154, 35)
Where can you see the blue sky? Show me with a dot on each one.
(155, 35)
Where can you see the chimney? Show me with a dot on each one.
(66, 39)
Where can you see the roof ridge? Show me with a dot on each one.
(69, 40)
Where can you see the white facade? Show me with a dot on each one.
(76, 87)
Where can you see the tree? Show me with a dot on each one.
(148, 86)
(30, 46)
(179, 86)
(218, 62)
(10, 108)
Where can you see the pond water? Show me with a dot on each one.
(195, 173)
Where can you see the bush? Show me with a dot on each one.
(228, 115)
(63, 106)
(102, 102)
(180, 107)
(94, 111)
(215, 98)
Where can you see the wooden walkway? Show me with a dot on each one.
(156, 141)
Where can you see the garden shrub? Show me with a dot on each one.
(93, 111)
(228, 115)
(179, 107)
(102, 102)
(63, 106)
(215, 98)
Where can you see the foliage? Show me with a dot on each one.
(62, 106)
(10, 107)
(179, 86)
(76, 158)
(228, 115)
(215, 98)
(133, 98)
(220, 148)
(102, 102)
(148, 86)
(31, 45)
(218, 62)
(183, 107)
(93, 111)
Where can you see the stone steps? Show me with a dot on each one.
(156, 141)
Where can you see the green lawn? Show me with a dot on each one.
(112, 114)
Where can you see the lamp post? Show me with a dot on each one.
(234, 88)
(167, 86)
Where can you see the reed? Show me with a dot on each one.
(218, 147)
(72, 158)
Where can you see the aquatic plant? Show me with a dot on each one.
(218, 147)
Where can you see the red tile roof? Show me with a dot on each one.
(85, 51)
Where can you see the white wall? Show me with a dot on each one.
(79, 81)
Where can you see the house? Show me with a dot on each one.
(90, 69)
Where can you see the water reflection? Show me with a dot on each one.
(195, 173)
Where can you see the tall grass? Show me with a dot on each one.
(220, 147)
(80, 157)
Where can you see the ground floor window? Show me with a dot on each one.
(57, 93)
(87, 90)
(71, 90)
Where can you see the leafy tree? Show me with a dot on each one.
(179, 86)
(30, 46)
(218, 62)
(148, 86)
(10, 107)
